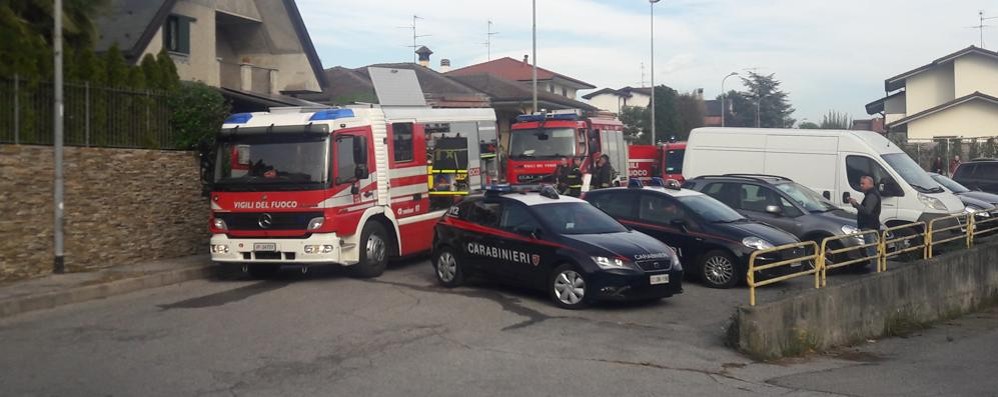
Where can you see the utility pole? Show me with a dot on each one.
(723, 95)
(534, 78)
(59, 265)
(488, 41)
(415, 36)
(651, 5)
(642, 74)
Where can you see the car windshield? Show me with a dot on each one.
(912, 173)
(950, 184)
(710, 209)
(546, 142)
(576, 218)
(292, 162)
(807, 198)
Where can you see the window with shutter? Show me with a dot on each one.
(177, 34)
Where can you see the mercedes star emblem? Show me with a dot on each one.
(265, 221)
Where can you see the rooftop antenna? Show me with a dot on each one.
(980, 24)
(488, 41)
(415, 36)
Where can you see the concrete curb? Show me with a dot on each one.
(83, 293)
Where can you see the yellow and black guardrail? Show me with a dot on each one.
(891, 242)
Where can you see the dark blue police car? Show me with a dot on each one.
(559, 244)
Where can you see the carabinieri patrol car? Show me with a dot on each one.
(559, 244)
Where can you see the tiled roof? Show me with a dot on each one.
(512, 69)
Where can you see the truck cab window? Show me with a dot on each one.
(402, 142)
(857, 166)
(345, 163)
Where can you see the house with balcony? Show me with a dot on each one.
(257, 52)
(955, 95)
(613, 100)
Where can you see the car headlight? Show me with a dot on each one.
(316, 223)
(610, 263)
(849, 229)
(756, 243)
(675, 260)
(970, 209)
(983, 214)
(932, 202)
(219, 224)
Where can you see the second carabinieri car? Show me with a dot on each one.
(559, 244)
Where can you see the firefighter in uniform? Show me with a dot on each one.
(603, 174)
(560, 175)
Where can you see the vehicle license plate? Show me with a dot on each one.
(659, 279)
(265, 247)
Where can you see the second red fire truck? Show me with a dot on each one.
(664, 161)
(538, 142)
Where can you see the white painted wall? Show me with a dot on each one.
(971, 119)
(201, 64)
(930, 88)
(975, 72)
(608, 102)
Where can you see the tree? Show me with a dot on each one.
(635, 121)
(690, 109)
(807, 125)
(762, 104)
(666, 113)
(739, 112)
(198, 113)
(116, 69)
(834, 120)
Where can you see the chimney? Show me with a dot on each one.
(444, 65)
(424, 56)
(526, 59)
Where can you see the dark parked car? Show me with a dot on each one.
(713, 241)
(979, 174)
(983, 205)
(558, 244)
(783, 203)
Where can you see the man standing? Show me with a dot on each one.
(868, 216)
(561, 175)
(953, 164)
(603, 174)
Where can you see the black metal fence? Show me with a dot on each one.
(93, 116)
(926, 151)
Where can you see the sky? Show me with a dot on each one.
(829, 55)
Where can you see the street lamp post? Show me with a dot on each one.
(534, 78)
(723, 95)
(651, 6)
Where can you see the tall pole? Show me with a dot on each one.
(723, 95)
(651, 5)
(59, 266)
(534, 56)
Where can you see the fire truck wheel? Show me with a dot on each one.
(449, 272)
(373, 252)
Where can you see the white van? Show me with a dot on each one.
(830, 162)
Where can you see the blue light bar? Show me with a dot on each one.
(540, 117)
(499, 188)
(239, 118)
(634, 183)
(331, 114)
(657, 181)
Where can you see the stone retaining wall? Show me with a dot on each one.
(121, 206)
(882, 304)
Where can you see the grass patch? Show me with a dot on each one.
(800, 343)
(903, 322)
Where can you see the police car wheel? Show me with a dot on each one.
(568, 288)
(718, 270)
(449, 271)
(373, 252)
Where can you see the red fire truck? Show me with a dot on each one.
(664, 161)
(346, 186)
(537, 143)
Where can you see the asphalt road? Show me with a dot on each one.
(325, 334)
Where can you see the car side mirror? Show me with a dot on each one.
(773, 209)
(845, 197)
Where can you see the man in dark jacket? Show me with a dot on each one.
(868, 214)
(561, 175)
(603, 174)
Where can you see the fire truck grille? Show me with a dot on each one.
(268, 220)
